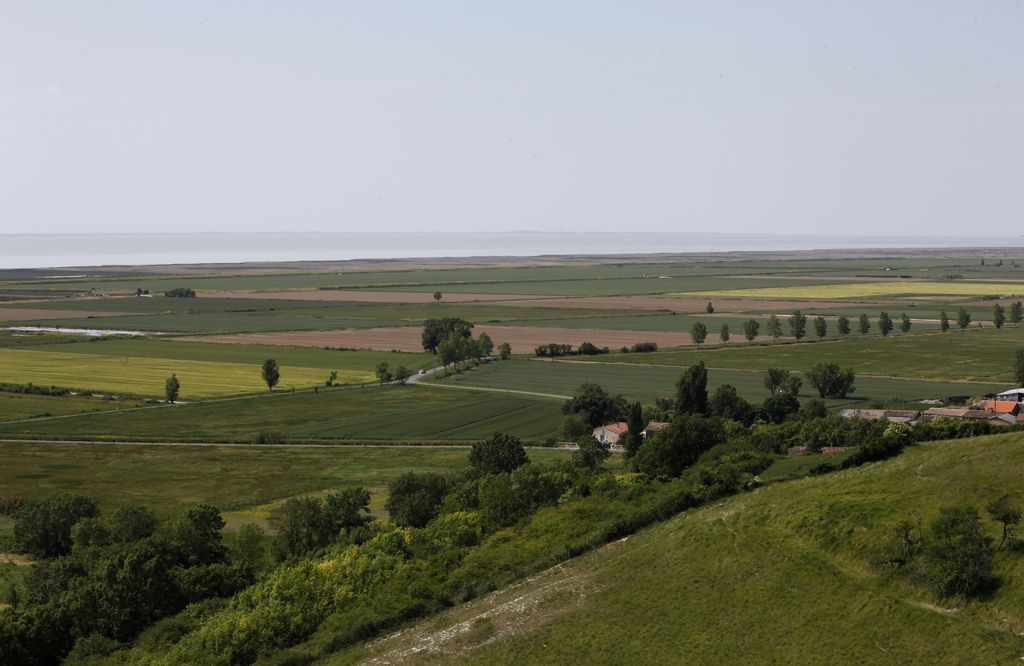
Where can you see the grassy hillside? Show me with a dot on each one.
(779, 575)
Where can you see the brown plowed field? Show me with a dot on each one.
(522, 338)
(372, 296)
(679, 304)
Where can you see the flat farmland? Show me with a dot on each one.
(170, 479)
(367, 296)
(873, 289)
(216, 322)
(145, 376)
(374, 413)
(985, 355)
(15, 406)
(647, 382)
(523, 339)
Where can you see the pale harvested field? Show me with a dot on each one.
(372, 296)
(30, 314)
(523, 339)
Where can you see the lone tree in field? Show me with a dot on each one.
(943, 321)
(864, 324)
(963, 319)
(692, 390)
(271, 373)
(957, 553)
(751, 329)
(699, 333)
(504, 351)
(1016, 312)
(780, 381)
(383, 372)
(798, 325)
(998, 315)
(1018, 368)
(402, 374)
(171, 388)
(774, 327)
(1008, 515)
(904, 322)
(437, 296)
(710, 308)
(884, 323)
(723, 335)
(830, 380)
(843, 325)
(820, 326)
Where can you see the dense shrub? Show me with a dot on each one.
(180, 292)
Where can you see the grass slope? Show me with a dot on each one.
(779, 575)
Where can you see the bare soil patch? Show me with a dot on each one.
(30, 314)
(372, 296)
(523, 339)
(16, 560)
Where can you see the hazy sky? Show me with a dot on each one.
(809, 117)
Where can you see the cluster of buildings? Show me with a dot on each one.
(1007, 408)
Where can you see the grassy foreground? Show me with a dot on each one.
(779, 575)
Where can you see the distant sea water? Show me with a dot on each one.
(69, 250)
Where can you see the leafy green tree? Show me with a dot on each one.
(436, 331)
(710, 309)
(271, 373)
(957, 555)
(727, 403)
(415, 498)
(723, 334)
(751, 329)
(692, 390)
(698, 332)
(574, 428)
(504, 351)
(678, 446)
(634, 430)
(885, 324)
(383, 372)
(595, 405)
(486, 345)
(591, 454)
(863, 324)
(963, 318)
(943, 321)
(248, 548)
(1018, 366)
(1004, 512)
(774, 327)
(130, 522)
(437, 296)
(830, 380)
(905, 322)
(500, 504)
(194, 537)
(1016, 312)
(798, 325)
(347, 508)
(43, 528)
(820, 326)
(452, 349)
(402, 374)
(775, 379)
(301, 526)
(998, 315)
(331, 378)
(843, 325)
(171, 388)
(498, 453)
(778, 407)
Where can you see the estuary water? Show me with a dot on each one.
(70, 250)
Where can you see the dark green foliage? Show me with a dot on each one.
(830, 380)
(699, 332)
(820, 326)
(43, 528)
(774, 327)
(727, 403)
(943, 321)
(304, 524)
(963, 318)
(775, 379)
(595, 405)
(496, 454)
(798, 325)
(885, 324)
(504, 351)
(591, 454)
(778, 407)
(383, 372)
(710, 308)
(998, 315)
(402, 374)
(677, 447)
(813, 409)
(723, 334)
(957, 555)
(863, 324)
(643, 347)
(590, 349)
(750, 329)
(692, 390)
(1018, 366)
(32, 389)
(171, 388)
(843, 325)
(414, 498)
(1004, 512)
(634, 433)
(248, 548)
(180, 292)
(905, 322)
(436, 330)
(1016, 312)
(271, 373)
(553, 350)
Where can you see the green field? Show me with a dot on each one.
(781, 575)
(23, 406)
(647, 382)
(405, 413)
(985, 355)
(874, 289)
